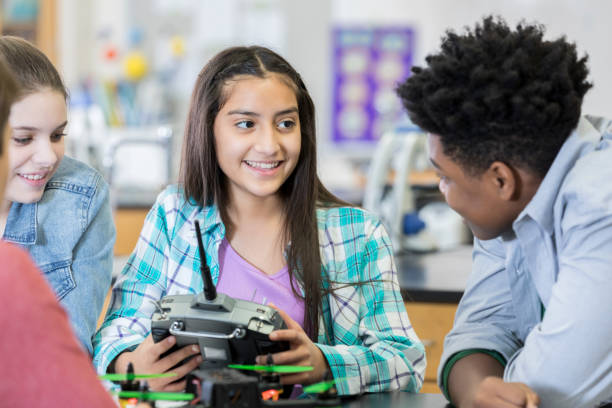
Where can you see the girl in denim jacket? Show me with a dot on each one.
(55, 207)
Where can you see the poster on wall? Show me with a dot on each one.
(367, 65)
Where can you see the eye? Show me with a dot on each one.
(56, 137)
(286, 124)
(22, 140)
(245, 124)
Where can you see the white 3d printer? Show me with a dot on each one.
(434, 226)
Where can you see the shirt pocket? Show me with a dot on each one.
(59, 276)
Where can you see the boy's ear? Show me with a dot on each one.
(503, 180)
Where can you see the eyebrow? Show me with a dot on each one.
(249, 113)
(436, 165)
(35, 128)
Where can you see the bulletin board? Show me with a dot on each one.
(367, 65)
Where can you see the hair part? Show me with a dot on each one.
(205, 183)
(497, 94)
(30, 67)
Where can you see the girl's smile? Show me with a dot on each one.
(35, 179)
(266, 168)
(36, 144)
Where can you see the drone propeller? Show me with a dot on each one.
(132, 376)
(281, 369)
(155, 396)
(320, 387)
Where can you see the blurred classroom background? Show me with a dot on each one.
(130, 66)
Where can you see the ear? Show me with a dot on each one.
(504, 180)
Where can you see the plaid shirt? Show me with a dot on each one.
(365, 333)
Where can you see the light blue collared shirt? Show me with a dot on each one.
(559, 255)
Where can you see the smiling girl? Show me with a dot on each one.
(55, 207)
(272, 233)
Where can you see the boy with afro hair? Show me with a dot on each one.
(533, 181)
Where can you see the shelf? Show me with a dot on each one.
(41, 31)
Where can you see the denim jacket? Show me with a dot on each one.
(70, 235)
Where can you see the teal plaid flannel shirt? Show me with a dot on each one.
(365, 333)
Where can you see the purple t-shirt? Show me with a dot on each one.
(240, 279)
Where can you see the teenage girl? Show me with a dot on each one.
(54, 370)
(272, 233)
(55, 207)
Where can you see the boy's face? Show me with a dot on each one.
(476, 198)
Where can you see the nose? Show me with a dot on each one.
(267, 141)
(45, 154)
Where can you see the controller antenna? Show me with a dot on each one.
(210, 292)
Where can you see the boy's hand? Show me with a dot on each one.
(493, 392)
(303, 352)
(146, 360)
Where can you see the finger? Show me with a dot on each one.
(159, 384)
(175, 386)
(176, 357)
(267, 359)
(533, 400)
(291, 357)
(515, 393)
(160, 347)
(291, 324)
(290, 335)
(186, 368)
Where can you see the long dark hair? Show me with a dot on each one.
(301, 193)
(30, 67)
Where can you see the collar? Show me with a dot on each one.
(540, 208)
(210, 217)
(21, 224)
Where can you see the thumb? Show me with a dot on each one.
(291, 324)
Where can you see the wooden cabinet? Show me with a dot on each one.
(431, 321)
(129, 222)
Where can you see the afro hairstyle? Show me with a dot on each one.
(497, 94)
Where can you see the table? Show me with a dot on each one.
(434, 277)
(379, 400)
(397, 399)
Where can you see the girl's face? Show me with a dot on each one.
(36, 144)
(4, 134)
(257, 135)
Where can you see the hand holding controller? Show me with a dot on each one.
(156, 357)
(227, 330)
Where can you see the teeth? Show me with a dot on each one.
(261, 165)
(32, 177)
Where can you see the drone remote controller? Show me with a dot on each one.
(228, 330)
